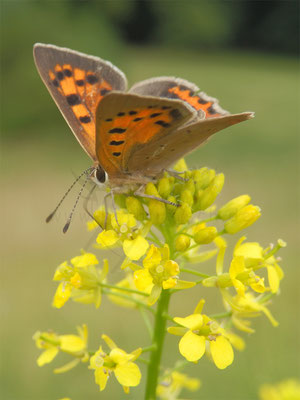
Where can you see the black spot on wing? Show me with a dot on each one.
(60, 75)
(202, 101)
(120, 114)
(55, 83)
(116, 142)
(138, 119)
(116, 153)
(85, 120)
(117, 130)
(92, 79)
(155, 115)
(211, 110)
(175, 113)
(103, 92)
(67, 72)
(132, 112)
(73, 99)
(173, 96)
(108, 119)
(162, 123)
(80, 82)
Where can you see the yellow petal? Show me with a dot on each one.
(107, 238)
(152, 258)
(142, 279)
(192, 346)
(62, 294)
(221, 352)
(119, 356)
(71, 343)
(171, 267)
(273, 279)
(193, 321)
(67, 367)
(84, 260)
(154, 295)
(128, 374)
(136, 248)
(110, 343)
(237, 266)
(180, 285)
(176, 330)
(47, 356)
(169, 283)
(101, 377)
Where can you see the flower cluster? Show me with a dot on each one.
(166, 234)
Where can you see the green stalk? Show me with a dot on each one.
(157, 343)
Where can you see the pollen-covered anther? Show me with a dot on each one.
(196, 331)
(212, 338)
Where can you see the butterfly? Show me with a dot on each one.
(131, 136)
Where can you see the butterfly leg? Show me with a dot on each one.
(111, 193)
(176, 174)
(139, 193)
(85, 205)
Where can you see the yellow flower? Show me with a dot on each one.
(246, 306)
(288, 389)
(118, 362)
(52, 344)
(124, 231)
(81, 281)
(159, 273)
(172, 385)
(127, 283)
(201, 330)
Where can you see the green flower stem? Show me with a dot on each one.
(194, 272)
(143, 360)
(158, 341)
(124, 296)
(149, 348)
(221, 315)
(123, 289)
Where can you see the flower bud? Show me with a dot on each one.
(210, 282)
(203, 177)
(190, 186)
(151, 189)
(135, 207)
(182, 243)
(187, 197)
(183, 214)
(206, 235)
(245, 217)
(211, 192)
(232, 207)
(164, 187)
(157, 211)
(180, 166)
(170, 207)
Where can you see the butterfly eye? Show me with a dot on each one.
(100, 174)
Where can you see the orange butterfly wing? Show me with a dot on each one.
(77, 82)
(177, 88)
(128, 122)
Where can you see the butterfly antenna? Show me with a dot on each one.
(66, 227)
(48, 219)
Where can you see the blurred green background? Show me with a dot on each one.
(243, 52)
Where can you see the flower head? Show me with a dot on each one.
(159, 272)
(80, 281)
(172, 385)
(52, 344)
(117, 362)
(198, 329)
(124, 231)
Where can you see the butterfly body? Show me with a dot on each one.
(130, 136)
